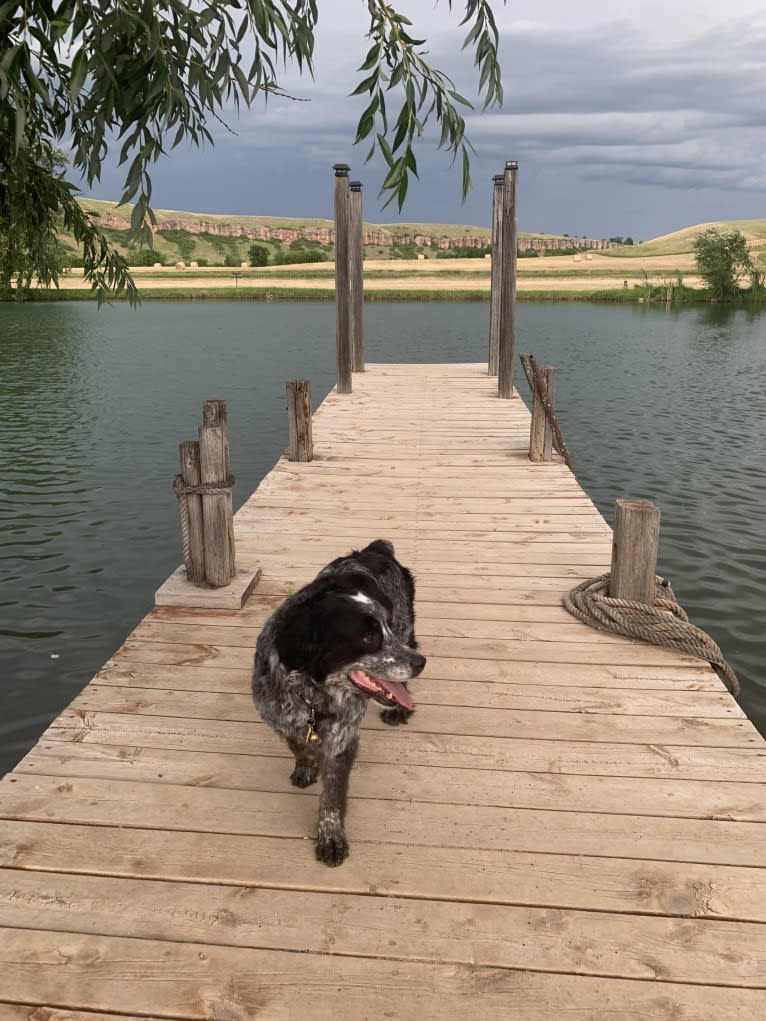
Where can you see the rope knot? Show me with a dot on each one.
(182, 489)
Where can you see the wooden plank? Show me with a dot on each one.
(558, 881)
(691, 799)
(566, 630)
(236, 983)
(203, 700)
(205, 810)
(437, 691)
(45, 1012)
(580, 942)
(546, 754)
(436, 719)
(210, 677)
(607, 653)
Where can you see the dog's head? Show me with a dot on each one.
(341, 636)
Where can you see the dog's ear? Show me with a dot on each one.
(359, 581)
(381, 547)
(298, 639)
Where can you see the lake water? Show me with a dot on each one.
(669, 406)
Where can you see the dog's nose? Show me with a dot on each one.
(418, 664)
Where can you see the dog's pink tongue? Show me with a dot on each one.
(372, 683)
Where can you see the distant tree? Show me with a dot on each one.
(27, 253)
(723, 259)
(142, 257)
(258, 255)
(464, 252)
(628, 240)
(148, 77)
(231, 259)
(301, 255)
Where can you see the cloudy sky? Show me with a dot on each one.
(637, 119)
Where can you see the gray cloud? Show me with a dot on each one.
(634, 125)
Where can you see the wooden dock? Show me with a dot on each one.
(571, 826)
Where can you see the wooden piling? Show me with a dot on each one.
(300, 443)
(496, 274)
(216, 507)
(507, 331)
(549, 374)
(634, 550)
(342, 286)
(537, 425)
(191, 513)
(356, 258)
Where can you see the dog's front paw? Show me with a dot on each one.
(395, 717)
(303, 776)
(332, 850)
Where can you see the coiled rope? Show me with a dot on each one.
(664, 623)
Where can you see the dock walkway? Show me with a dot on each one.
(571, 825)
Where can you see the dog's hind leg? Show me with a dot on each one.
(332, 846)
(306, 765)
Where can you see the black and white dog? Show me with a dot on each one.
(329, 648)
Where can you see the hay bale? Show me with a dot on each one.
(180, 265)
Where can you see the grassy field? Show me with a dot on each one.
(628, 273)
(564, 278)
(681, 241)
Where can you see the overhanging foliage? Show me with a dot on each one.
(146, 76)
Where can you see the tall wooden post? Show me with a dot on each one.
(356, 256)
(634, 550)
(191, 514)
(300, 443)
(216, 507)
(342, 287)
(496, 277)
(507, 337)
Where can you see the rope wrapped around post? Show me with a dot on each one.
(183, 491)
(663, 623)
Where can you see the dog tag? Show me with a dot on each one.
(311, 734)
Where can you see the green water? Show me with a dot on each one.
(666, 406)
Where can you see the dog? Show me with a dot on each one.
(345, 638)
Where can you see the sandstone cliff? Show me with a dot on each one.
(326, 235)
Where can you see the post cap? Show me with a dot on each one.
(498, 178)
(511, 165)
(355, 185)
(341, 169)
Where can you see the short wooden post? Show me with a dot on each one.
(216, 507)
(634, 550)
(549, 374)
(300, 444)
(342, 286)
(356, 256)
(507, 334)
(496, 273)
(537, 425)
(191, 513)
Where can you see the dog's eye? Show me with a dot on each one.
(371, 634)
